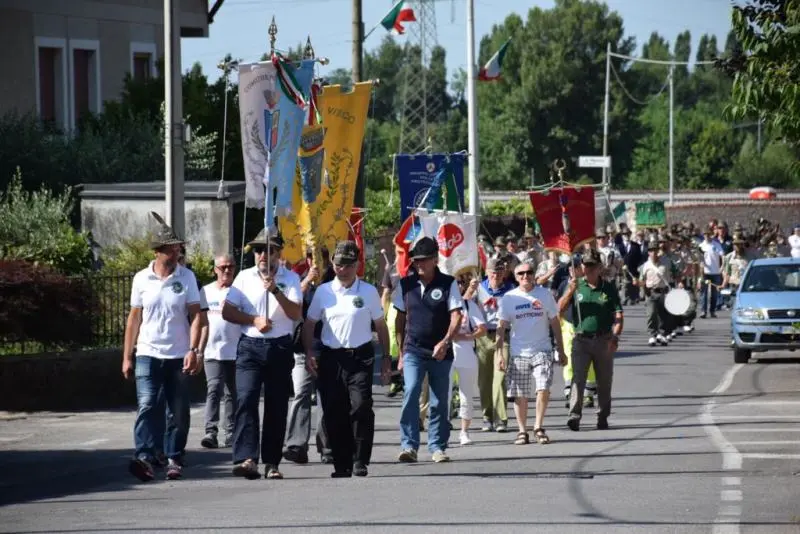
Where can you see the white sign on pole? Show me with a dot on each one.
(595, 162)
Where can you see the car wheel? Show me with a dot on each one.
(741, 355)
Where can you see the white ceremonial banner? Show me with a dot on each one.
(259, 95)
(456, 234)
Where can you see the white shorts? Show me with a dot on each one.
(525, 371)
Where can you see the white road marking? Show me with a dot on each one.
(758, 403)
(757, 430)
(13, 439)
(731, 481)
(758, 416)
(770, 456)
(767, 443)
(731, 495)
(93, 442)
(731, 458)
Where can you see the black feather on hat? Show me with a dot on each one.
(165, 235)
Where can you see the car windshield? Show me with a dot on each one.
(763, 278)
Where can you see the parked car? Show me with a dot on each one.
(766, 312)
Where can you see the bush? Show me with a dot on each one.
(35, 227)
(42, 305)
(133, 255)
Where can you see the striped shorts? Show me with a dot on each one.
(524, 372)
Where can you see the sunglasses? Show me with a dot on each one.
(524, 273)
(225, 267)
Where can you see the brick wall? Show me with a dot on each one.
(783, 212)
(90, 380)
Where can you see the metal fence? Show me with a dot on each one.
(110, 302)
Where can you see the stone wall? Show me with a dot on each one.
(783, 212)
(90, 380)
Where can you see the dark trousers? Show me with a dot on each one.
(262, 365)
(659, 320)
(345, 383)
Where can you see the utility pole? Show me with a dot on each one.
(759, 136)
(472, 111)
(605, 114)
(671, 136)
(358, 42)
(173, 119)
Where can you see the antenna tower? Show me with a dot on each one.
(419, 110)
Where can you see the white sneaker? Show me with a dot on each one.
(672, 336)
(651, 342)
(661, 339)
(464, 438)
(687, 329)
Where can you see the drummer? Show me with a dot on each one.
(686, 279)
(655, 277)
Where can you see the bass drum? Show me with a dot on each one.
(678, 301)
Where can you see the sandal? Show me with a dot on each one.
(541, 436)
(522, 439)
(272, 473)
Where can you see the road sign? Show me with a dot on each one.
(596, 162)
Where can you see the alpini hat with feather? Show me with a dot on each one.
(164, 235)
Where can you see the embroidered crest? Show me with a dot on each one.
(580, 297)
(602, 298)
(177, 287)
(358, 302)
(282, 287)
(436, 294)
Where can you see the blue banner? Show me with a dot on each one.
(418, 172)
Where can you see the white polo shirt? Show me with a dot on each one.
(346, 313)
(528, 315)
(222, 335)
(164, 332)
(248, 294)
(712, 257)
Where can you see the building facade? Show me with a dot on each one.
(64, 58)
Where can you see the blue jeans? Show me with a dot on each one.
(414, 369)
(151, 432)
(262, 365)
(705, 304)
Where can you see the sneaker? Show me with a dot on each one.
(672, 335)
(502, 426)
(662, 340)
(407, 456)
(360, 470)
(247, 469)
(141, 469)
(209, 441)
(464, 438)
(602, 423)
(687, 329)
(228, 441)
(342, 474)
(588, 401)
(174, 469)
(651, 342)
(487, 426)
(296, 455)
(703, 315)
(440, 457)
(326, 458)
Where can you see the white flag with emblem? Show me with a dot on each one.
(456, 235)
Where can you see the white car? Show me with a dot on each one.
(766, 313)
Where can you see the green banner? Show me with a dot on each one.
(650, 214)
(619, 211)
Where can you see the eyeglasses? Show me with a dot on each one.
(524, 273)
(225, 267)
(343, 265)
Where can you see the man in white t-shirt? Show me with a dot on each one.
(218, 345)
(794, 242)
(163, 327)
(265, 300)
(348, 308)
(712, 274)
(530, 312)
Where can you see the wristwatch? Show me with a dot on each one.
(195, 350)
(275, 290)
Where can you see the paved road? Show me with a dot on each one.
(678, 458)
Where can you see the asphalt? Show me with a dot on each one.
(678, 458)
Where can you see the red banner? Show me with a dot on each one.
(356, 234)
(565, 216)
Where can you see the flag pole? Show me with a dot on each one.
(379, 23)
(472, 112)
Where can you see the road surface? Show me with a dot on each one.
(697, 444)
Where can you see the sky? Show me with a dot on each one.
(240, 26)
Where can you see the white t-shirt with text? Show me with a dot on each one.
(528, 315)
(222, 335)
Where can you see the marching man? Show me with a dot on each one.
(529, 311)
(348, 307)
(164, 327)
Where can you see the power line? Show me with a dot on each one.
(629, 95)
(659, 61)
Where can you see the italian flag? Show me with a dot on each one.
(401, 12)
(491, 71)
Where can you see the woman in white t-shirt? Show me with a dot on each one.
(465, 361)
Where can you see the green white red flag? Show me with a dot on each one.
(401, 12)
(493, 69)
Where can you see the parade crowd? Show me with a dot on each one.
(296, 337)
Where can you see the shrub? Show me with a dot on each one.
(39, 304)
(35, 227)
(133, 255)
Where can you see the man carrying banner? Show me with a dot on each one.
(429, 306)
(597, 312)
(529, 312)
